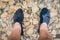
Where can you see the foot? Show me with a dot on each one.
(45, 16)
(18, 17)
(15, 34)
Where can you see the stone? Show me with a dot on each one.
(27, 39)
(53, 33)
(4, 25)
(35, 21)
(31, 20)
(26, 15)
(34, 35)
(12, 11)
(30, 3)
(16, 1)
(4, 15)
(29, 31)
(53, 12)
(29, 11)
(2, 5)
(41, 5)
(58, 26)
(14, 8)
(24, 5)
(58, 31)
(35, 9)
(26, 23)
(1, 11)
(50, 27)
(1, 28)
(11, 2)
(6, 9)
(4, 0)
(21, 1)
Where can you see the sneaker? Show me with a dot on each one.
(45, 16)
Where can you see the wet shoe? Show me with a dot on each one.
(18, 17)
(45, 16)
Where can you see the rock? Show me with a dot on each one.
(1, 11)
(54, 33)
(3, 5)
(58, 26)
(27, 39)
(35, 9)
(1, 28)
(49, 6)
(6, 9)
(4, 0)
(29, 31)
(12, 11)
(4, 25)
(34, 35)
(26, 23)
(26, 15)
(21, 1)
(58, 31)
(31, 20)
(29, 11)
(24, 5)
(4, 15)
(53, 12)
(16, 1)
(50, 27)
(11, 2)
(41, 5)
(30, 3)
(14, 8)
(35, 21)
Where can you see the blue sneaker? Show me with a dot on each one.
(18, 17)
(45, 16)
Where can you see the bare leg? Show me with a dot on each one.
(15, 34)
(44, 34)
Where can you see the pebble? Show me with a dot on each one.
(41, 5)
(29, 31)
(26, 15)
(35, 21)
(26, 23)
(11, 2)
(54, 33)
(59, 32)
(1, 11)
(35, 9)
(34, 35)
(30, 3)
(4, 15)
(3, 5)
(24, 5)
(58, 26)
(53, 12)
(16, 1)
(6, 9)
(5, 0)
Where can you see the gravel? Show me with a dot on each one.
(31, 9)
